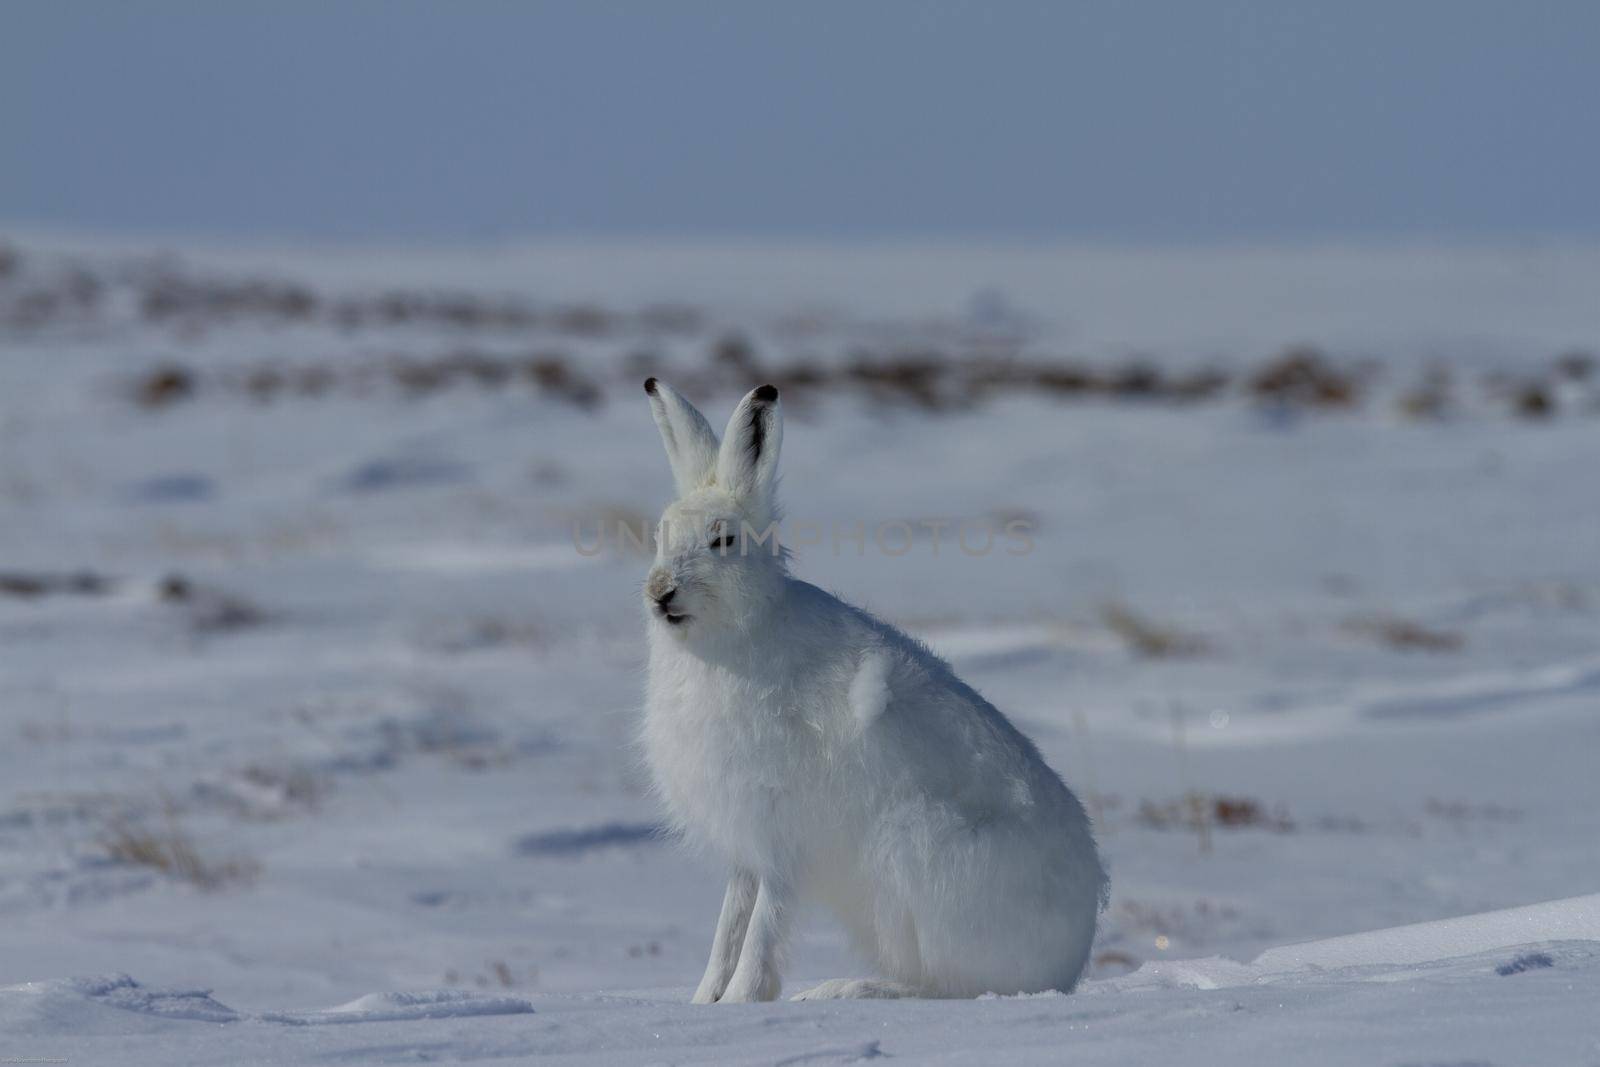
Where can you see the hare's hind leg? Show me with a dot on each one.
(737, 904)
(856, 989)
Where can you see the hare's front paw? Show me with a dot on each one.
(750, 985)
(710, 990)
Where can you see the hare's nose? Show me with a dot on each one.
(666, 598)
(660, 587)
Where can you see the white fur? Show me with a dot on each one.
(824, 755)
(869, 689)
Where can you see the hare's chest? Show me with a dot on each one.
(724, 756)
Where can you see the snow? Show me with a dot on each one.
(386, 716)
(1341, 1000)
(406, 1007)
(1576, 920)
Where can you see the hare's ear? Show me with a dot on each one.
(747, 466)
(690, 442)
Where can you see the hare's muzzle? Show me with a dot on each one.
(660, 590)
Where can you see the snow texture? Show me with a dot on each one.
(308, 699)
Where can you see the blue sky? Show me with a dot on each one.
(1158, 121)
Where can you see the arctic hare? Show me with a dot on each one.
(822, 754)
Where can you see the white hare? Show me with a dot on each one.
(824, 755)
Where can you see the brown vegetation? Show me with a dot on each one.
(1404, 635)
(30, 585)
(209, 610)
(1148, 638)
(1228, 812)
(173, 852)
(549, 373)
(1304, 377)
(957, 372)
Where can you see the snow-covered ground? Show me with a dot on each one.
(314, 714)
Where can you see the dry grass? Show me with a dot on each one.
(169, 849)
(1534, 401)
(550, 373)
(933, 380)
(1577, 366)
(163, 385)
(1430, 398)
(498, 973)
(1114, 962)
(955, 372)
(30, 585)
(1229, 812)
(73, 296)
(266, 791)
(1148, 638)
(1304, 377)
(209, 610)
(1405, 635)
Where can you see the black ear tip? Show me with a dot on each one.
(768, 393)
(650, 386)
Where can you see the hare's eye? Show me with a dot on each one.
(724, 541)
